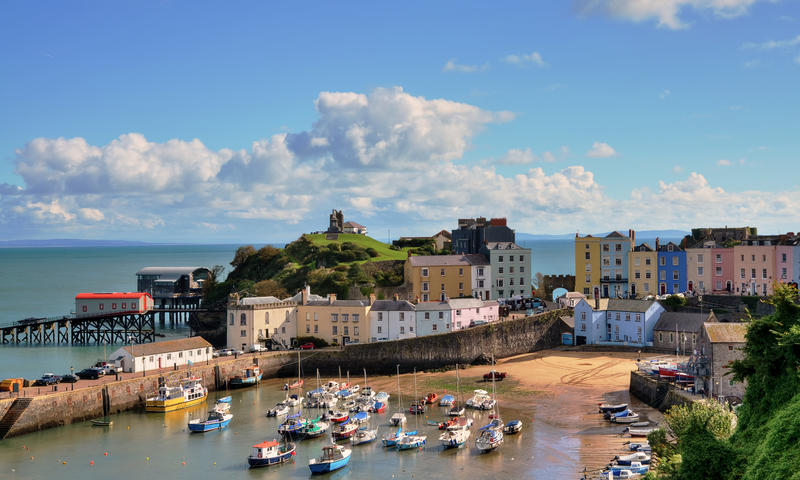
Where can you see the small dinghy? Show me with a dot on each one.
(612, 407)
(639, 432)
(337, 416)
(378, 407)
(628, 416)
(363, 435)
(391, 440)
(633, 457)
(430, 398)
(382, 397)
(512, 427)
(217, 420)
(105, 422)
(279, 409)
(417, 408)
(227, 399)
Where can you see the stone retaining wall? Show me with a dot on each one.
(658, 394)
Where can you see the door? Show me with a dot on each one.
(159, 363)
(633, 290)
(605, 291)
(663, 289)
(691, 285)
(345, 340)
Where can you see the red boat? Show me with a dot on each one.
(498, 376)
(379, 407)
(444, 425)
(337, 417)
(666, 372)
(292, 386)
(344, 430)
(430, 398)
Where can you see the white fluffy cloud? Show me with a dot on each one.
(601, 150)
(533, 58)
(453, 66)
(664, 12)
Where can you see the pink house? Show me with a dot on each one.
(722, 272)
(466, 312)
(784, 261)
(754, 269)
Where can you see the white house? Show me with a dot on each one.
(433, 318)
(167, 354)
(613, 321)
(392, 320)
(354, 227)
(570, 299)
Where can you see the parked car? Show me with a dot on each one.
(498, 376)
(307, 346)
(109, 369)
(89, 374)
(225, 352)
(258, 348)
(47, 379)
(69, 378)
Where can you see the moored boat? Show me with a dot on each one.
(364, 435)
(417, 408)
(512, 427)
(446, 400)
(279, 409)
(490, 438)
(189, 392)
(378, 407)
(293, 425)
(479, 397)
(344, 430)
(414, 440)
(250, 376)
(382, 397)
(641, 457)
(430, 398)
(360, 418)
(217, 420)
(612, 407)
(640, 432)
(391, 440)
(627, 416)
(454, 437)
(315, 428)
(337, 416)
(271, 453)
(333, 458)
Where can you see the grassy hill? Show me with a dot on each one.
(384, 252)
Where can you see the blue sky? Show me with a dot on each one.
(249, 121)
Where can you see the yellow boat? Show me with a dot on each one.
(190, 392)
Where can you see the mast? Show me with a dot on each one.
(416, 420)
(365, 378)
(399, 392)
(300, 387)
(494, 393)
(340, 375)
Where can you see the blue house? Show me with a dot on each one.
(614, 321)
(671, 268)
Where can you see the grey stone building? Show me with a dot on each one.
(721, 344)
(680, 331)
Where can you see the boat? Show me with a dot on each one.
(398, 418)
(640, 432)
(105, 422)
(417, 408)
(227, 399)
(634, 468)
(293, 385)
(332, 386)
(378, 407)
(382, 397)
(639, 447)
(360, 417)
(315, 428)
(478, 398)
(456, 434)
(217, 420)
(512, 427)
(391, 440)
(446, 400)
(292, 400)
(250, 376)
(271, 453)
(328, 400)
(293, 425)
(619, 475)
(344, 430)
(491, 435)
(628, 416)
(364, 435)
(640, 424)
(429, 398)
(416, 440)
(457, 409)
(189, 392)
(279, 409)
(632, 457)
(488, 404)
(337, 416)
(612, 407)
(333, 458)
(443, 425)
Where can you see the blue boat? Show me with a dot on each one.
(249, 376)
(634, 467)
(333, 458)
(271, 453)
(446, 400)
(216, 420)
(227, 399)
(512, 427)
(294, 425)
(391, 441)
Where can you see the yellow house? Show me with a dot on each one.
(433, 277)
(587, 265)
(335, 321)
(643, 271)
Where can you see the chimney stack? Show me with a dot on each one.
(633, 238)
(657, 244)
(331, 298)
(305, 294)
(371, 298)
(396, 297)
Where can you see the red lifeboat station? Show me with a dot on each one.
(95, 304)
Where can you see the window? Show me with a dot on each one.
(647, 274)
(718, 271)
(605, 248)
(334, 317)
(752, 273)
(308, 316)
(243, 333)
(586, 245)
(510, 269)
(316, 328)
(588, 278)
(443, 287)
(764, 273)
(783, 272)
(243, 319)
(608, 315)
(638, 317)
(355, 331)
(511, 258)
(675, 275)
(180, 354)
(521, 269)
(701, 285)
(346, 331)
(583, 315)
(647, 285)
(460, 286)
(275, 331)
(718, 258)
(500, 282)
(308, 328)
(435, 327)
(345, 317)
(402, 330)
(335, 330)
(441, 315)
(102, 306)
(583, 327)
(521, 282)
(84, 309)
(675, 288)
(616, 316)
(699, 271)
(586, 256)
(380, 330)
(480, 272)
(741, 273)
(699, 258)
(719, 285)
(427, 315)
(637, 274)
(662, 261)
(637, 261)
(618, 247)
(617, 261)
(783, 260)
(510, 282)
(425, 297)
(743, 258)
(442, 270)
(588, 267)
(500, 258)
(669, 248)
(627, 317)
(660, 336)
(662, 275)
(113, 306)
(522, 259)
(316, 316)
(675, 261)
(647, 261)
(266, 318)
(380, 316)
(480, 283)
(424, 286)
(763, 258)
(169, 356)
(458, 312)
(500, 270)
(424, 272)
(460, 272)
(753, 258)
(671, 337)
(586, 290)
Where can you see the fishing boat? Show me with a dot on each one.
(416, 440)
(632, 457)
(337, 416)
(315, 428)
(612, 407)
(429, 398)
(217, 420)
(378, 407)
(271, 453)
(398, 418)
(344, 430)
(628, 416)
(446, 400)
(189, 392)
(279, 409)
(104, 422)
(364, 435)
(479, 397)
(457, 409)
(293, 425)
(250, 376)
(512, 427)
(333, 458)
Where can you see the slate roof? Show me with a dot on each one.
(432, 306)
(644, 247)
(443, 233)
(504, 246)
(622, 304)
(338, 303)
(570, 321)
(466, 303)
(725, 332)
(615, 234)
(476, 259)
(259, 300)
(168, 346)
(438, 260)
(683, 321)
(392, 306)
(353, 225)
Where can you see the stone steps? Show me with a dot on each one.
(12, 415)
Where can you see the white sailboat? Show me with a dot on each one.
(457, 409)
(399, 418)
(491, 435)
(415, 440)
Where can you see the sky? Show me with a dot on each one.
(244, 121)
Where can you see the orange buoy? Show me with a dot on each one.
(105, 454)
(183, 463)
(91, 462)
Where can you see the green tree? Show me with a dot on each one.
(242, 254)
(269, 288)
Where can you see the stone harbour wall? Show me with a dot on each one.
(658, 394)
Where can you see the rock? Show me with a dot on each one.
(482, 359)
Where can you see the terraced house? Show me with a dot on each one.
(510, 270)
(438, 277)
(587, 265)
(612, 321)
(671, 268)
(642, 271)
(335, 321)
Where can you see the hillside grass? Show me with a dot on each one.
(384, 252)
